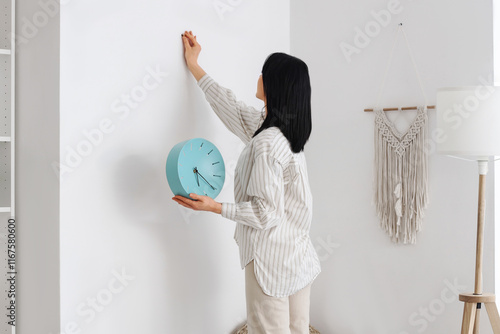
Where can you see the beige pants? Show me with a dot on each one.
(272, 315)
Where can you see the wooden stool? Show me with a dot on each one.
(472, 306)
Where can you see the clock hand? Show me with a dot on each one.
(197, 179)
(205, 180)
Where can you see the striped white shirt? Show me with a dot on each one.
(273, 200)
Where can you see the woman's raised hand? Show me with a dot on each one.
(191, 51)
(191, 48)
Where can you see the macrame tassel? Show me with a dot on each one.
(400, 178)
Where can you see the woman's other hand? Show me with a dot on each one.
(202, 203)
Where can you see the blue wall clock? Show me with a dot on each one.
(195, 166)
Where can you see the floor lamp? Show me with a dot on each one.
(468, 121)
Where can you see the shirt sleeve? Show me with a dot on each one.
(240, 119)
(266, 208)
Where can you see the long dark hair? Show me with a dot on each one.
(288, 94)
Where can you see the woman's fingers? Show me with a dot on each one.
(185, 41)
(182, 203)
(192, 41)
(196, 202)
(184, 200)
(192, 204)
(190, 36)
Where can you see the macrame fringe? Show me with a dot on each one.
(401, 177)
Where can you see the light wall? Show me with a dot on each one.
(181, 268)
(496, 205)
(369, 285)
(127, 98)
(37, 186)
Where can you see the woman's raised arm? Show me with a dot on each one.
(239, 118)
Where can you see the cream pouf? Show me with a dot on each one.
(243, 330)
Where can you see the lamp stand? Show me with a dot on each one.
(473, 301)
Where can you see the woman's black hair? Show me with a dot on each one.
(288, 95)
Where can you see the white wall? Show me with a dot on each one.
(37, 186)
(496, 55)
(116, 212)
(369, 285)
(116, 207)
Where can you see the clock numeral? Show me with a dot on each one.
(216, 175)
(210, 152)
(201, 146)
(213, 163)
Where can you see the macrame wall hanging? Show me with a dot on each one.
(400, 167)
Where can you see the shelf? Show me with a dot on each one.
(7, 146)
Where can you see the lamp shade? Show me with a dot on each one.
(468, 121)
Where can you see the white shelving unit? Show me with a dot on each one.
(7, 106)
(7, 145)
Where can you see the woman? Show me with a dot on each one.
(273, 208)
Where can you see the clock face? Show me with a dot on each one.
(200, 168)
